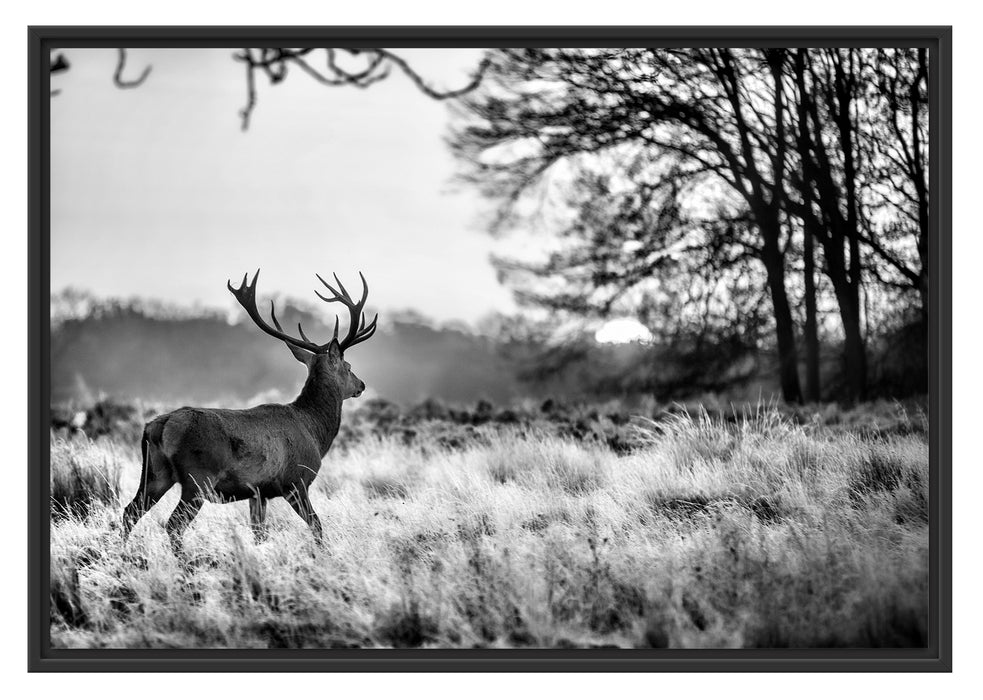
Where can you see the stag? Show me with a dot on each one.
(259, 453)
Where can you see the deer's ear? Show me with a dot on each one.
(334, 350)
(302, 355)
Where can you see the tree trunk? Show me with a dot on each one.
(809, 225)
(856, 344)
(919, 177)
(855, 356)
(839, 232)
(788, 358)
(812, 393)
(923, 294)
(854, 348)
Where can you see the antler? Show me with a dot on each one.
(246, 296)
(357, 330)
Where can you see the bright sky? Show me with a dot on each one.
(156, 191)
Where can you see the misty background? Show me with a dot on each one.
(614, 268)
(158, 195)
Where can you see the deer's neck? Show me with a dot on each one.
(321, 404)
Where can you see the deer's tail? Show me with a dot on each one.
(156, 466)
(144, 449)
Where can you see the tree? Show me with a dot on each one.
(809, 233)
(863, 192)
(707, 125)
(898, 153)
(829, 178)
(667, 154)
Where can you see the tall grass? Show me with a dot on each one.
(84, 474)
(754, 532)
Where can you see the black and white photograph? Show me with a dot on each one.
(490, 348)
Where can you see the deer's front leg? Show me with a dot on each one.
(257, 517)
(300, 501)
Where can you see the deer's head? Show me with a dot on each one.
(326, 364)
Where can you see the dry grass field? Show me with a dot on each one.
(755, 528)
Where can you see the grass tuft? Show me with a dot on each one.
(84, 474)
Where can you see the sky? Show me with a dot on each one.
(156, 192)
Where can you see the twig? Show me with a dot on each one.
(121, 66)
(274, 63)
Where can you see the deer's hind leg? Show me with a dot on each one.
(155, 480)
(257, 517)
(187, 508)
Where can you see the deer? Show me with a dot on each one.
(259, 453)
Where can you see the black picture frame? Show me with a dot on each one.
(936, 657)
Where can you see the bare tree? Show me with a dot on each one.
(862, 125)
(713, 120)
(801, 160)
(898, 157)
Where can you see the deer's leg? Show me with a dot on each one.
(186, 510)
(300, 501)
(143, 501)
(257, 517)
(153, 486)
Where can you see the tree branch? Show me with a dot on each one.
(121, 66)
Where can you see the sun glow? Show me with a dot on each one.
(622, 330)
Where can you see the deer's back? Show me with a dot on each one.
(238, 452)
